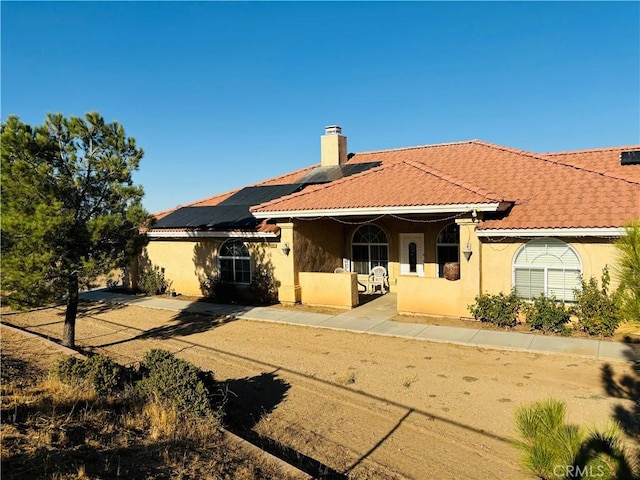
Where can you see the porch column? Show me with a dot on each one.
(289, 289)
(469, 269)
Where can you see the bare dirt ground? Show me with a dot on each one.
(360, 405)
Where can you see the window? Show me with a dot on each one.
(234, 262)
(447, 246)
(369, 249)
(548, 266)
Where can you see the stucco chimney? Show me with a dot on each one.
(333, 147)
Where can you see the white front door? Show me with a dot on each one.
(412, 254)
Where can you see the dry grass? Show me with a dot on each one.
(53, 431)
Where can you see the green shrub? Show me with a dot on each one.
(627, 269)
(502, 310)
(261, 291)
(553, 449)
(177, 382)
(152, 280)
(598, 311)
(547, 315)
(545, 440)
(103, 374)
(72, 371)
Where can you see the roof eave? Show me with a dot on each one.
(605, 232)
(397, 210)
(156, 234)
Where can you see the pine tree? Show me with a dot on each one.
(70, 210)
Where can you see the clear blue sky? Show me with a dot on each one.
(221, 95)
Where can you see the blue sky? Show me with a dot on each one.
(224, 94)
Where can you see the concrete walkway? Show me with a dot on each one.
(375, 317)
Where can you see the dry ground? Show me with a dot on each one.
(362, 405)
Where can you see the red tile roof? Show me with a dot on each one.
(403, 183)
(547, 193)
(601, 160)
(582, 189)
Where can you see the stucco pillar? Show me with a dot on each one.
(469, 269)
(289, 289)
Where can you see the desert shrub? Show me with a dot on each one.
(170, 380)
(547, 315)
(627, 269)
(545, 439)
(598, 311)
(261, 291)
(103, 374)
(152, 280)
(501, 309)
(553, 449)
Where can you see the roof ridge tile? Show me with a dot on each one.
(454, 180)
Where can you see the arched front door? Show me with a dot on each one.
(412, 254)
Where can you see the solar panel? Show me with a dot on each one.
(336, 172)
(231, 213)
(630, 158)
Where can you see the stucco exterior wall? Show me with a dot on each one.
(329, 289)
(318, 245)
(432, 296)
(189, 262)
(497, 260)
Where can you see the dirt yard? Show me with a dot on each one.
(360, 405)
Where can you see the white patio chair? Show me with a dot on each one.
(378, 278)
(339, 270)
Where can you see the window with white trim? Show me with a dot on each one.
(547, 266)
(447, 246)
(369, 248)
(234, 262)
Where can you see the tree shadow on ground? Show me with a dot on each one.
(89, 308)
(251, 399)
(182, 325)
(626, 387)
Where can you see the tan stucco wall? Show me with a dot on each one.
(189, 262)
(432, 296)
(320, 246)
(329, 289)
(497, 260)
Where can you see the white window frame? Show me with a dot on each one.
(368, 245)
(554, 243)
(235, 259)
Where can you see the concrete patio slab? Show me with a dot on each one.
(489, 338)
(398, 329)
(284, 316)
(573, 346)
(616, 351)
(351, 323)
(447, 334)
(263, 313)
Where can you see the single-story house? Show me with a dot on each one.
(447, 222)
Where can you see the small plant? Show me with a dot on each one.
(152, 280)
(598, 311)
(408, 381)
(627, 270)
(348, 378)
(547, 315)
(176, 382)
(100, 372)
(553, 449)
(501, 310)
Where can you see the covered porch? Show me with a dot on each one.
(432, 263)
